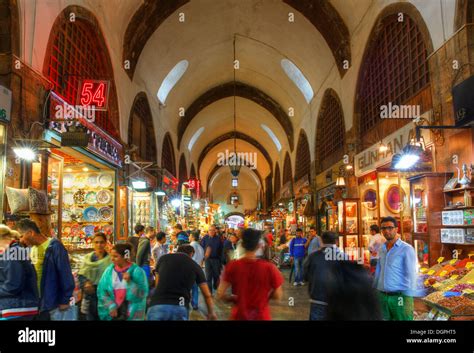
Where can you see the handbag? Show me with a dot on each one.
(122, 312)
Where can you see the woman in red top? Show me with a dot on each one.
(254, 282)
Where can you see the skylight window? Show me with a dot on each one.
(171, 80)
(194, 138)
(298, 79)
(272, 136)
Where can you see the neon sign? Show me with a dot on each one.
(94, 93)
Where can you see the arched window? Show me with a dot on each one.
(192, 173)
(287, 169)
(167, 155)
(140, 130)
(76, 51)
(183, 172)
(303, 157)
(277, 182)
(394, 71)
(330, 135)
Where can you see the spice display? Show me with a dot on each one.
(435, 297)
(453, 302)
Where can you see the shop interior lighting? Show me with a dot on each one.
(69, 170)
(197, 205)
(340, 181)
(349, 167)
(409, 156)
(160, 193)
(139, 184)
(25, 153)
(383, 148)
(176, 203)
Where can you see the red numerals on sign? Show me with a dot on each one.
(93, 93)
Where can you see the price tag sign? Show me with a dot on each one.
(444, 273)
(454, 277)
(440, 259)
(426, 283)
(436, 285)
(452, 262)
(449, 287)
(423, 269)
(470, 282)
(431, 272)
(469, 265)
(468, 291)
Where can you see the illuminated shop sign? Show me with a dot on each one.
(372, 158)
(100, 143)
(94, 93)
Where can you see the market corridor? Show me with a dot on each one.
(293, 306)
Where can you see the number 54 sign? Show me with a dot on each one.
(94, 93)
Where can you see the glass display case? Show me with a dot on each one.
(54, 188)
(348, 222)
(143, 209)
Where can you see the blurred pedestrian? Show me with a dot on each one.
(297, 253)
(123, 288)
(198, 258)
(375, 243)
(253, 282)
(176, 274)
(317, 269)
(134, 239)
(53, 270)
(314, 242)
(92, 268)
(213, 249)
(19, 299)
(350, 295)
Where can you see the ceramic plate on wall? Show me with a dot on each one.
(79, 197)
(68, 181)
(92, 180)
(105, 180)
(80, 181)
(88, 230)
(91, 214)
(68, 198)
(104, 197)
(106, 213)
(91, 198)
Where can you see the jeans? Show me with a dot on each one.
(167, 313)
(213, 272)
(195, 296)
(298, 269)
(317, 312)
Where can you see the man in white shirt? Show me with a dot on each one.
(198, 257)
(375, 243)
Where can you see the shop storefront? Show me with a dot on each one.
(383, 190)
(303, 203)
(5, 117)
(82, 181)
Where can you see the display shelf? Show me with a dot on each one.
(458, 208)
(459, 226)
(458, 190)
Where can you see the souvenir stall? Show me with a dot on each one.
(82, 180)
(384, 191)
(303, 204)
(144, 201)
(5, 117)
(167, 216)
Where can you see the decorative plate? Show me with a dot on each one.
(68, 198)
(80, 181)
(92, 180)
(91, 214)
(106, 213)
(75, 229)
(104, 197)
(88, 230)
(108, 229)
(68, 181)
(67, 216)
(66, 230)
(80, 197)
(105, 180)
(91, 198)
